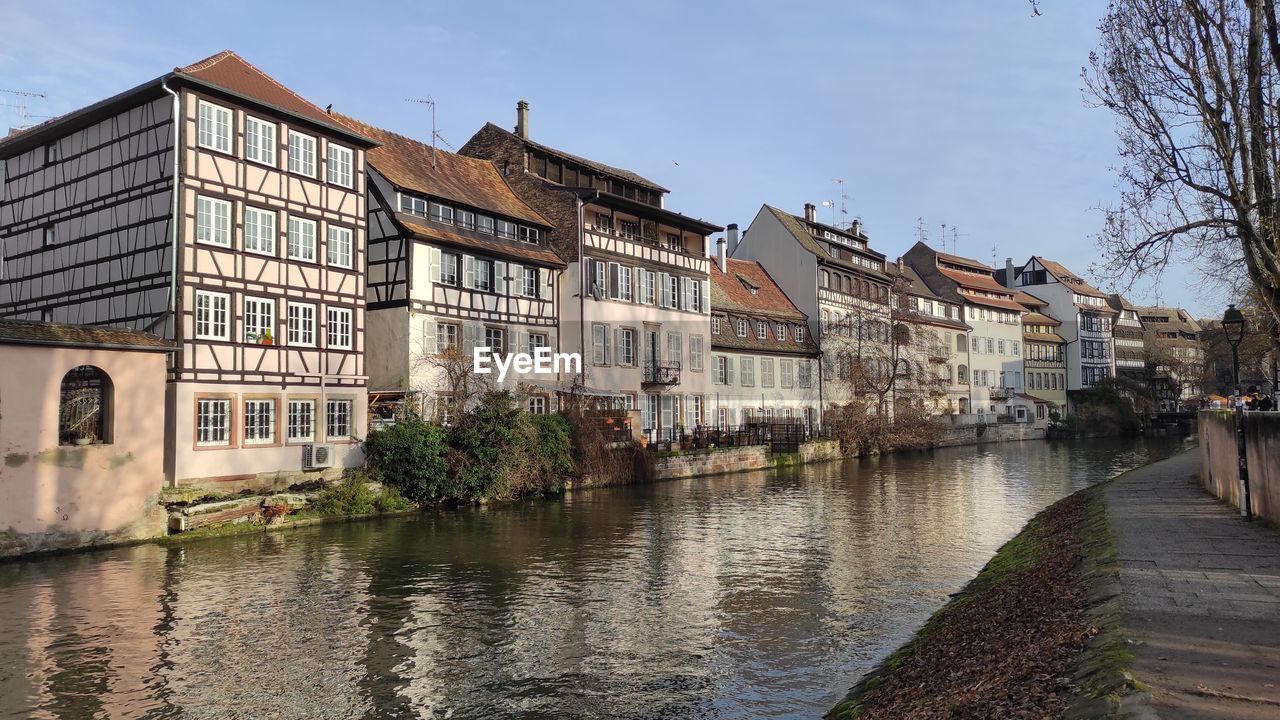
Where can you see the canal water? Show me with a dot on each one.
(759, 595)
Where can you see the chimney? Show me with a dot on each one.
(1008, 273)
(732, 233)
(856, 228)
(522, 119)
(901, 265)
(811, 212)
(720, 259)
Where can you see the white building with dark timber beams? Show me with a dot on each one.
(219, 210)
(456, 260)
(635, 299)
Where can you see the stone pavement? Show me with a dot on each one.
(1202, 595)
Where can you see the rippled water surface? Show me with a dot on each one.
(759, 595)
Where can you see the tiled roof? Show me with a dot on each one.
(1036, 318)
(408, 164)
(795, 226)
(732, 296)
(1044, 337)
(993, 302)
(23, 332)
(231, 72)
(1035, 399)
(600, 167)
(1029, 300)
(427, 230)
(975, 281)
(959, 260)
(1070, 279)
(1175, 318)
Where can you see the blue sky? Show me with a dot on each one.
(969, 114)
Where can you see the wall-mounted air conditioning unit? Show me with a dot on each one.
(315, 457)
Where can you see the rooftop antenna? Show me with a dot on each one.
(922, 232)
(434, 134)
(831, 204)
(21, 104)
(844, 210)
(944, 239)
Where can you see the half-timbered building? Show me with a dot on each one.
(840, 283)
(221, 211)
(635, 299)
(456, 261)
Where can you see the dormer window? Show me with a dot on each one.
(506, 230)
(442, 213)
(530, 235)
(466, 220)
(781, 332)
(799, 333)
(715, 325)
(762, 330)
(740, 326)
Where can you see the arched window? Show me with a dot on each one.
(960, 343)
(962, 376)
(901, 334)
(84, 407)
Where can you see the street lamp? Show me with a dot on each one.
(1233, 328)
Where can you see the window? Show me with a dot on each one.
(626, 346)
(692, 411)
(259, 319)
(528, 235)
(675, 348)
(413, 205)
(780, 332)
(624, 284)
(302, 154)
(337, 419)
(722, 370)
(740, 326)
(484, 224)
(990, 346)
(214, 130)
(259, 422)
(673, 291)
(340, 162)
(84, 406)
(302, 239)
(537, 405)
(301, 323)
(766, 372)
(484, 275)
(648, 287)
(213, 221)
(495, 339)
(446, 336)
(529, 281)
(695, 353)
(715, 325)
(259, 231)
(339, 328)
(339, 246)
(786, 369)
(506, 230)
(1000, 345)
(449, 263)
(628, 229)
(536, 340)
(259, 140)
(762, 330)
(799, 333)
(302, 423)
(695, 295)
(804, 374)
(442, 213)
(212, 315)
(1016, 349)
(213, 422)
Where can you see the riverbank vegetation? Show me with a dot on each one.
(496, 451)
(1008, 645)
(861, 432)
(1103, 409)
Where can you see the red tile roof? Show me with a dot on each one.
(729, 293)
(229, 71)
(425, 229)
(24, 332)
(976, 281)
(1070, 279)
(960, 260)
(993, 302)
(470, 181)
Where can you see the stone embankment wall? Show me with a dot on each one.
(995, 432)
(741, 459)
(1219, 459)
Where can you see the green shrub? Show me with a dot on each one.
(410, 457)
(481, 445)
(351, 496)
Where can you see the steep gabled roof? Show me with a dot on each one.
(731, 294)
(229, 71)
(24, 332)
(620, 173)
(795, 226)
(1070, 279)
(410, 165)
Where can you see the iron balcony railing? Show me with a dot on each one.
(667, 373)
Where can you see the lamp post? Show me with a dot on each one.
(1233, 328)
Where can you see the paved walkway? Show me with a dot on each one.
(1202, 594)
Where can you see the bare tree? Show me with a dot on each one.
(1194, 84)
(447, 378)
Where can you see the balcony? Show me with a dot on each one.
(661, 374)
(1001, 393)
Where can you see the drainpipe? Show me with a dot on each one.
(582, 289)
(176, 221)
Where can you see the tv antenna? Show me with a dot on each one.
(844, 209)
(20, 105)
(831, 204)
(434, 134)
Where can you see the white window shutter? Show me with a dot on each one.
(429, 337)
(686, 293)
(706, 296)
(728, 371)
(500, 277)
(662, 290)
(468, 271)
(605, 337)
(615, 290)
(617, 344)
(547, 277)
(517, 278)
(469, 338)
(522, 342)
(637, 285)
(435, 264)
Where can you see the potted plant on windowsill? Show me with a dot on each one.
(85, 439)
(266, 338)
